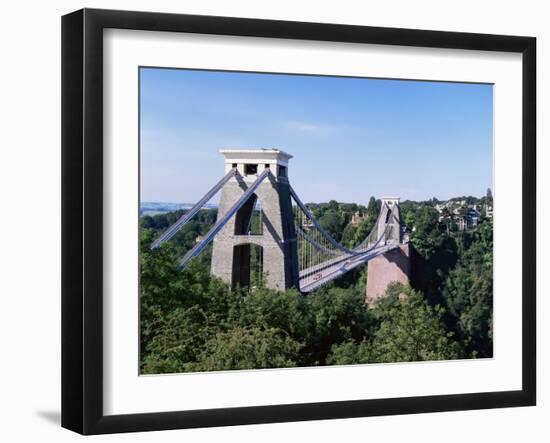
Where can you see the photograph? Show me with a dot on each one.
(272, 222)
(294, 220)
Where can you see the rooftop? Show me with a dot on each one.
(259, 153)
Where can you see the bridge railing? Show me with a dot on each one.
(321, 260)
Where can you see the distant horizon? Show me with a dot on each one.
(320, 202)
(351, 138)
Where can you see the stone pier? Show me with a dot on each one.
(393, 266)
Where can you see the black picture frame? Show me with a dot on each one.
(82, 215)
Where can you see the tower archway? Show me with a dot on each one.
(247, 270)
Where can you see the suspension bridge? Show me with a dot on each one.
(296, 251)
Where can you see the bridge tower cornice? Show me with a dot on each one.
(250, 163)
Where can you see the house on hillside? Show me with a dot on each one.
(462, 215)
(356, 218)
(469, 220)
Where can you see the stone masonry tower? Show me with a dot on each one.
(390, 216)
(275, 235)
(394, 265)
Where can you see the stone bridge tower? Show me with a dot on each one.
(390, 217)
(265, 220)
(394, 265)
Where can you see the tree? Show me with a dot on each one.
(333, 205)
(159, 282)
(410, 329)
(332, 223)
(177, 341)
(366, 225)
(426, 220)
(373, 205)
(340, 315)
(426, 236)
(174, 302)
(248, 348)
(286, 311)
(350, 353)
(446, 219)
(348, 236)
(468, 291)
(363, 230)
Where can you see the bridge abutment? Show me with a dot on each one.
(392, 266)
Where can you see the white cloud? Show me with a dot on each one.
(308, 127)
(311, 128)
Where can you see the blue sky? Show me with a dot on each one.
(350, 138)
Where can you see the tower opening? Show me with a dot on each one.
(250, 169)
(256, 225)
(247, 272)
(243, 217)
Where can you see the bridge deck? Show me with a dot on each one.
(333, 271)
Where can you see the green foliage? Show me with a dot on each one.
(350, 353)
(242, 348)
(489, 197)
(334, 217)
(364, 229)
(366, 226)
(407, 329)
(177, 340)
(373, 208)
(265, 308)
(186, 237)
(455, 270)
(426, 236)
(340, 315)
(349, 235)
(191, 321)
(332, 223)
(411, 330)
(468, 292)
